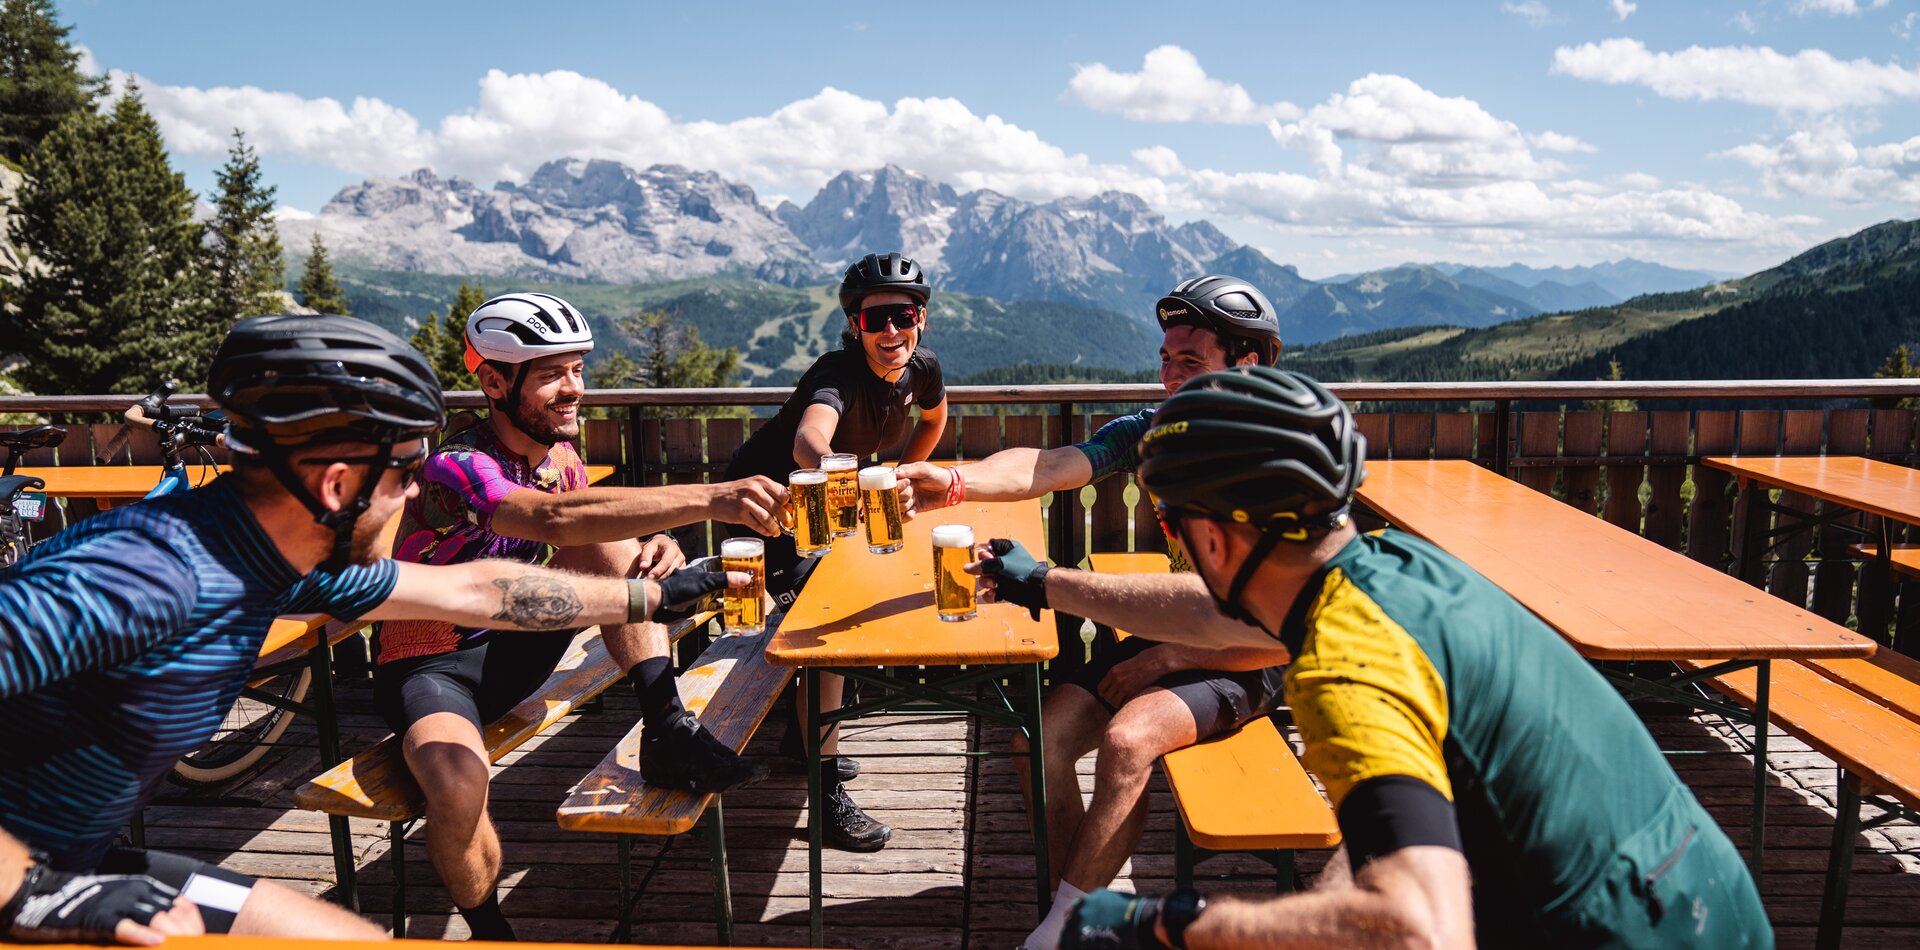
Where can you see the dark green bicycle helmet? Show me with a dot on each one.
(1258, 446)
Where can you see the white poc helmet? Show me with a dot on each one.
(515, 328)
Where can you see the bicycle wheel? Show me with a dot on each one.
(249, 730)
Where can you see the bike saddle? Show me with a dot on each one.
(38, 437)
(11, 485)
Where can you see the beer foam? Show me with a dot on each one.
(953, 536)
(742, 547)
(877, 478)
(839, 463)
(808, 476)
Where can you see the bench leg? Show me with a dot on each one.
(1283, 870)
(326, 721)
(722, 888)
(1846, 826)
(623, 930)
(137, 829)
(1183, 857)
(397, 854)
(816, 796)
(1762, 724)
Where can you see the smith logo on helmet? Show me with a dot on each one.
(1171, 428)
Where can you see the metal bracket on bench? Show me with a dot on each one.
(1187, 855)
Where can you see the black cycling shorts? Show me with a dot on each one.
(479, 683)
(217, 891)
(1218, 701)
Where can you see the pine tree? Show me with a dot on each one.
(245, 265)
(1899, 365)
(118, 298)
(445, 345)
(40, 78)
(318, 288)
(672, 356)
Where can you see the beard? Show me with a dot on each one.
(532, 420)
(366, 539)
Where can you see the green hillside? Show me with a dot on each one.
(781, 330)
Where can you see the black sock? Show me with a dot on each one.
(486, 921)
(653, 682)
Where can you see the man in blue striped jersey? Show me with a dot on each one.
(125, 638)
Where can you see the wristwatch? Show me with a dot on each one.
(1182, 907)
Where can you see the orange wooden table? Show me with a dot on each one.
(1612, 594)
(1848, 483)
(862, 612)
(123, 482)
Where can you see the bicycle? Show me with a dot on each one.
(265, 709)
(19, 503)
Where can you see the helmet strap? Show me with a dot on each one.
(341, 521)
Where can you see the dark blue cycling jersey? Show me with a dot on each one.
(123, 641)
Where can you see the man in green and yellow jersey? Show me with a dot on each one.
(1489, 785)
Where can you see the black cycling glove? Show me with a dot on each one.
(1017, 577)
(684, 588)
(1117, 920)
(56, 907)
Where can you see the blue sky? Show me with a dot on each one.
(1336, 137)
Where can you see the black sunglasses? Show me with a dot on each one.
(904, 316)
(409, 465)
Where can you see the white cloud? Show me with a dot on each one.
(1159, 160)
(1555, 142)
(1903, 27)
(1533, 11)
(1823, 162)
(1810, 81)
(88, 66)
(1745, 23)
(1831, 7)
(1170, 87)
(290, 213)
(1622, 8)
(1415, 133)
(1639, 181)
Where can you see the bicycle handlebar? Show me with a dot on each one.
(178, 425)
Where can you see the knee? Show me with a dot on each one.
(1132, 743)
(453, 777)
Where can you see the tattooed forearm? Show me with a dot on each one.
(537, 602)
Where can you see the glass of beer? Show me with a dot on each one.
(843, 492)
(807, 508)
(952, 585)
(743, 609)
(879, 489)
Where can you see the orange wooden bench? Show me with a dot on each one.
(1864, 714)
(377, 784)
(1241, 791)
(731, 687)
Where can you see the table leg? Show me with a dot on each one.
(1763, 675)
(816, 800)
(1877, 610)
(327, 723)
(1751, 543)
(1037, 768)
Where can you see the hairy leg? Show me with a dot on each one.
(1071, 722)
(1148, 726)
(449, 762)
(274, 911)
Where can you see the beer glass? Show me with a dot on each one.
(843, 493)
(744, 609)
(807, 507)
(952, 585)
(879, 489)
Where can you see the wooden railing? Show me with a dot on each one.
(1636, 469)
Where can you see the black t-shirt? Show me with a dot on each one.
(874, 414)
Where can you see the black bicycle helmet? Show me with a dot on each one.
(879, 273)
(1253, 445)
(291, 380)
(1230, 307)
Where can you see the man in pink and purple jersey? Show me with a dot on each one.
(512, 486)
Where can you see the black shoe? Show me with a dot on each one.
(841, 768)
(683, 754)
(850, 829)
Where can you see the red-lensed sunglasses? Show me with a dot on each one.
(903, 316)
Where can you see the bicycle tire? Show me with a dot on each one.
(246, 736)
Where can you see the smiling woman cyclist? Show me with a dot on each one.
(858, 399)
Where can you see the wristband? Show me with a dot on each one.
(637, 601)
(956, 487)
(1178, 910)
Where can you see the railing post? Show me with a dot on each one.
(636, 459)
(1502, 436)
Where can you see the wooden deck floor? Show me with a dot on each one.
(958, 871)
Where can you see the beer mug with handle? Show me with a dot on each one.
(744, 609)
(880, 492)
(807, 504)
(953, 587)
(843, 493)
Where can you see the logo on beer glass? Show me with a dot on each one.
(743, 609)
(880, 492)
(807, 508)
(843, 493)
(952, 585)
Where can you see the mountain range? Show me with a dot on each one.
(599, 221)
